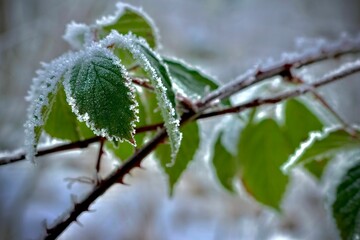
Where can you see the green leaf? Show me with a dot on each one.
(160, 80)
(323, 145)
(299, 123)
(130, 19)
(262, 149)
(155, 67)
(123, 151)
(317, 168)
(41, 97)
(153, 114)
(346, 208)
(225, 165)
(62, 122)
(192, 82)
(191, 142)
(101, 95)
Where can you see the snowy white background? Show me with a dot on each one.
(225, 38)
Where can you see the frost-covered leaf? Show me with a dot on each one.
(346, 208)
(323, 145)
(129, 19)
(123, 151)
(45, 85)
(78, 35)
(159, 78)
(225, 165)
(100, 94)
(62, 122)
(192, 82)
(299, 123)
(262, 149)
(191, 142)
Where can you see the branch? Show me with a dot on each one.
(13, 158)
(339, 74)
(98, 160)
(136, 159)
(287, 62)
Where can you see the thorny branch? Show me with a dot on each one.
(335, 76)
(136, 159)
(244, 81)
(297, 61)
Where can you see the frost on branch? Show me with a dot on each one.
(41, 93)
(98, 90)
(160, 80)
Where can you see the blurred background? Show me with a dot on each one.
(224, 37)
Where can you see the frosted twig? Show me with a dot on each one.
(289, 77)
(338, 74)
(299, 60)
(98, 161)
(19, 156)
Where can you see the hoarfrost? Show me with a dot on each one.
(87, 55)
(132, 44)
(46, 83)
(121, 8)
(78, 35)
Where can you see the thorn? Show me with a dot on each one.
(73, 198)
(91, 210)
(79, 223)
(138, 164)
(121, 181)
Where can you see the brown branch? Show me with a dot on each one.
(339, 74)
(136, 159)
(142, 83)
(98, 160)
(13, 158)
(52, 149)
(259, 74)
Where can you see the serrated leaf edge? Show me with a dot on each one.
(87, 52)
(121, 7)
(314, 136)
(172, 124)
(46, 82)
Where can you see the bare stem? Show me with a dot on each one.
(259, 74)
(98, 160)
(338, 74)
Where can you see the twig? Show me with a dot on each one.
(142, 83)
(258, 74)
(136, 159)
(98, 160)
(338, 74)
(13, 158)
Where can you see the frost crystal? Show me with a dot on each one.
(134, 45)
(78, 35)
(45, 84)
(121, 8)
(85, 57)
